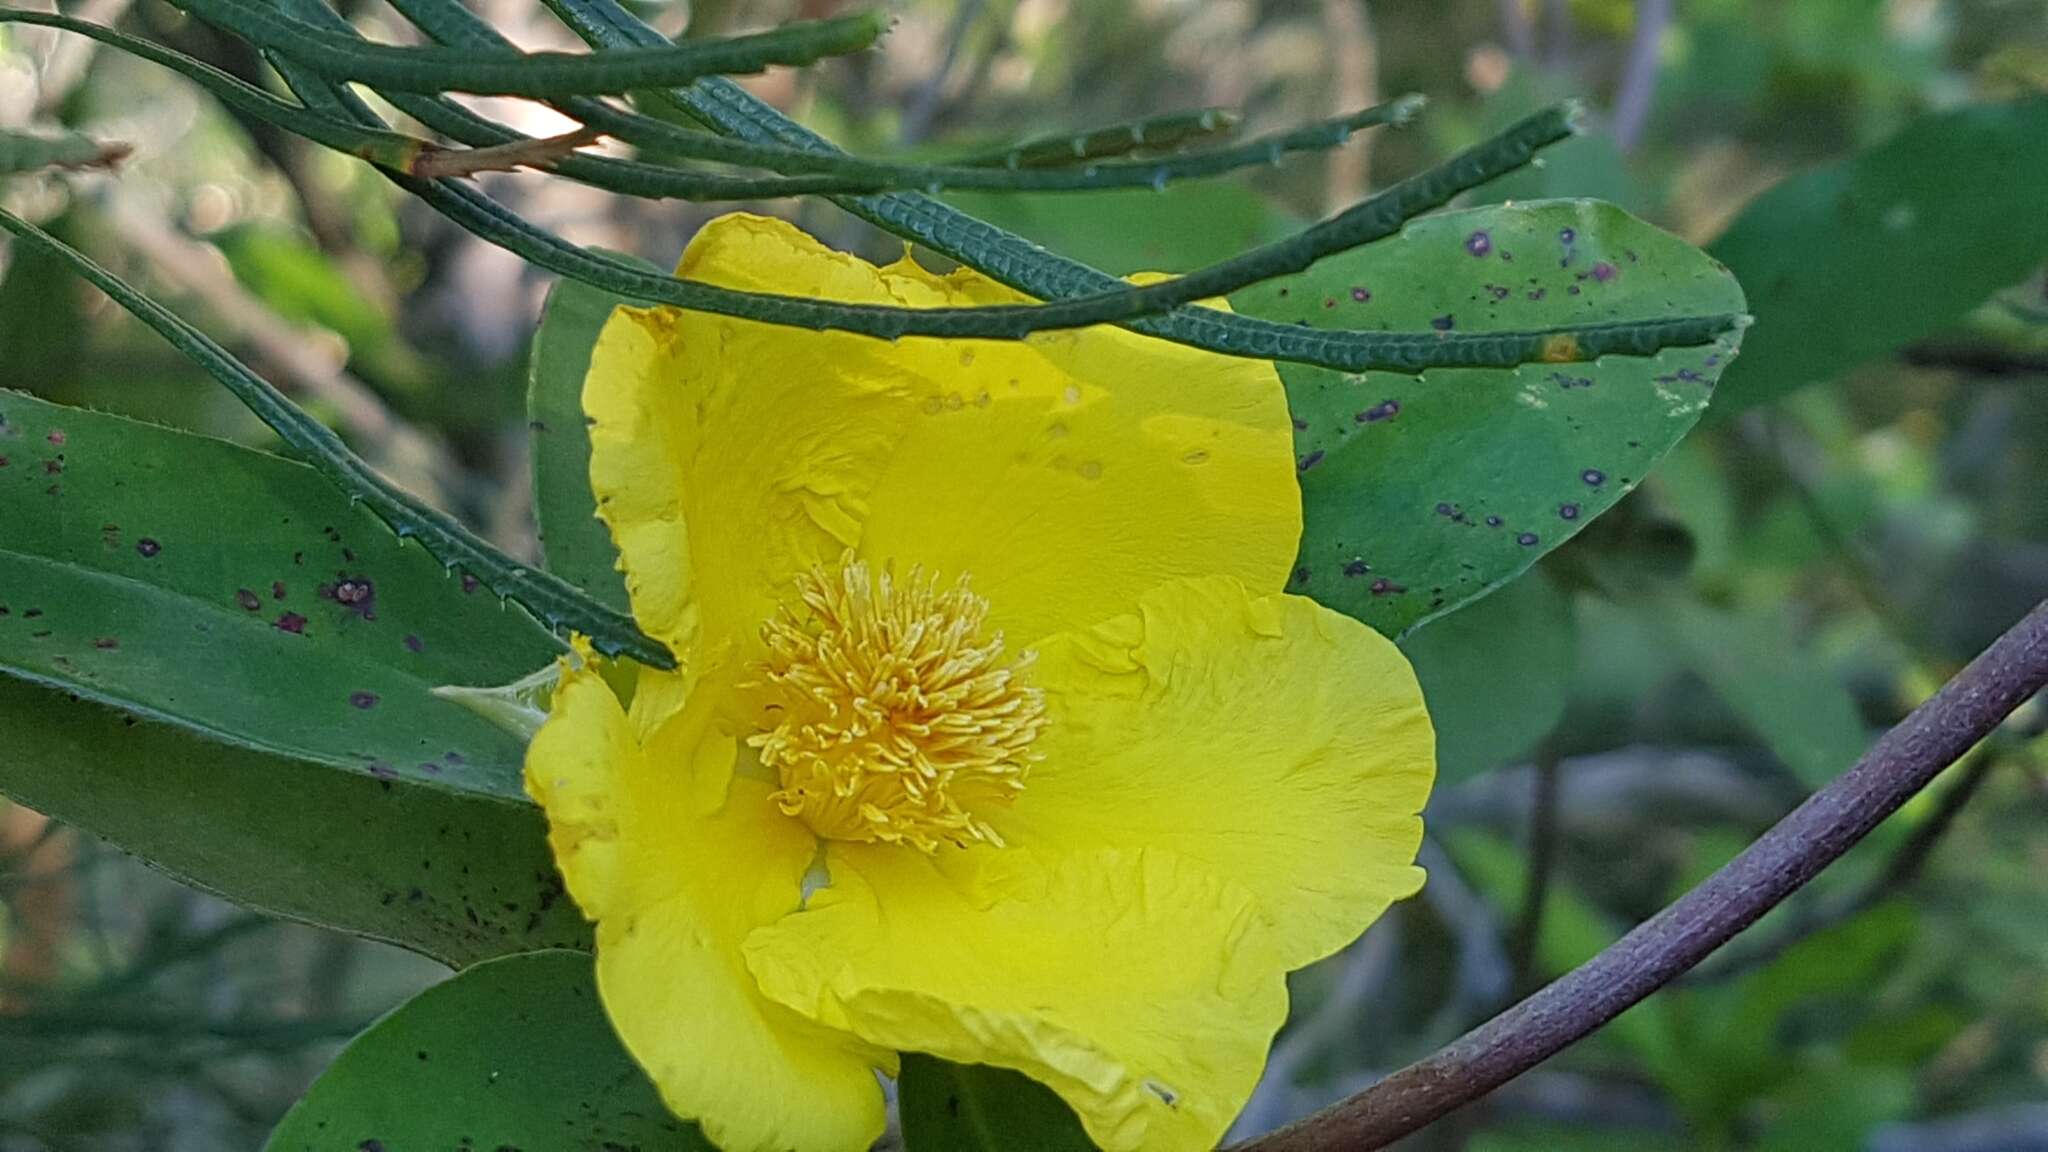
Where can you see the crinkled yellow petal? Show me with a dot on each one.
(1065, 474)
(675, 886)
(726, 456)
(1070, 473)
(1130, 983)
(1267, 738)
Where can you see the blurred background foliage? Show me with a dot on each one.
(1865, 507)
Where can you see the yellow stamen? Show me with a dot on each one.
(894, 719)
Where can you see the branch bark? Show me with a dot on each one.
(1831, 821)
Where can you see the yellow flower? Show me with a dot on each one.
(993, 735)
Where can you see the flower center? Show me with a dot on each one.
(895, 719)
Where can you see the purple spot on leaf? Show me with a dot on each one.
(1527, 540)
(148, 547)
(291, 622)
(1479, 243)
(363, 700)
(1384, 410)
(248, 599)
(1568, 511)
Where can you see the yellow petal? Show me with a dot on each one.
(675, 889)
(727, 457)
(1126, 983)
(1065, 475)
(1069, 474)
(1268, 739)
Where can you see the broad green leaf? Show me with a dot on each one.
(1177, 229)
(458, 878)
(1855, 260)
(241, 596)
(1798, 708)
(513, 1053)
(1495, 675)
(43, 331)
(1421, 493)
(950, 1107)
(575, 544)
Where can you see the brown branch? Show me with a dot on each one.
(437, 163)
(1814, 835)
(1542, 860)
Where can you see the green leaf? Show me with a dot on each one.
(457, 878)
(977, 1108)
(1421, 493)
(43, 328)
(1495, 675)
(1799, 709)
(535, 74)
(513, 1053)
(546, 595)
(240, 595)
(575, 544)
(1186, 226)
(1855, 260)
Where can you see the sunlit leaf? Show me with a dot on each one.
(1422, 493)
(240, 595)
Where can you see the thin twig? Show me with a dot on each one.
(1517, 28)
(1938, 733)
(1639, 75)
(1542, 862)
(1557, 34)
(1354, 56)
(437, 163)
(923, 108)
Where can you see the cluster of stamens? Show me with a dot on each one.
(895, 720)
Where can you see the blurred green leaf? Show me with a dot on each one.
(458, 878)
(30, 152)
(1181, 228)
(240, 595)
(1422, 493)
(300, 282)
(1834, 1107)
(43, 332)
(1495, 675)
(1855, 260)
(575, 544)
(1800, 709)
(512, 1053)
(976, 1108)
(1526, 1136)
